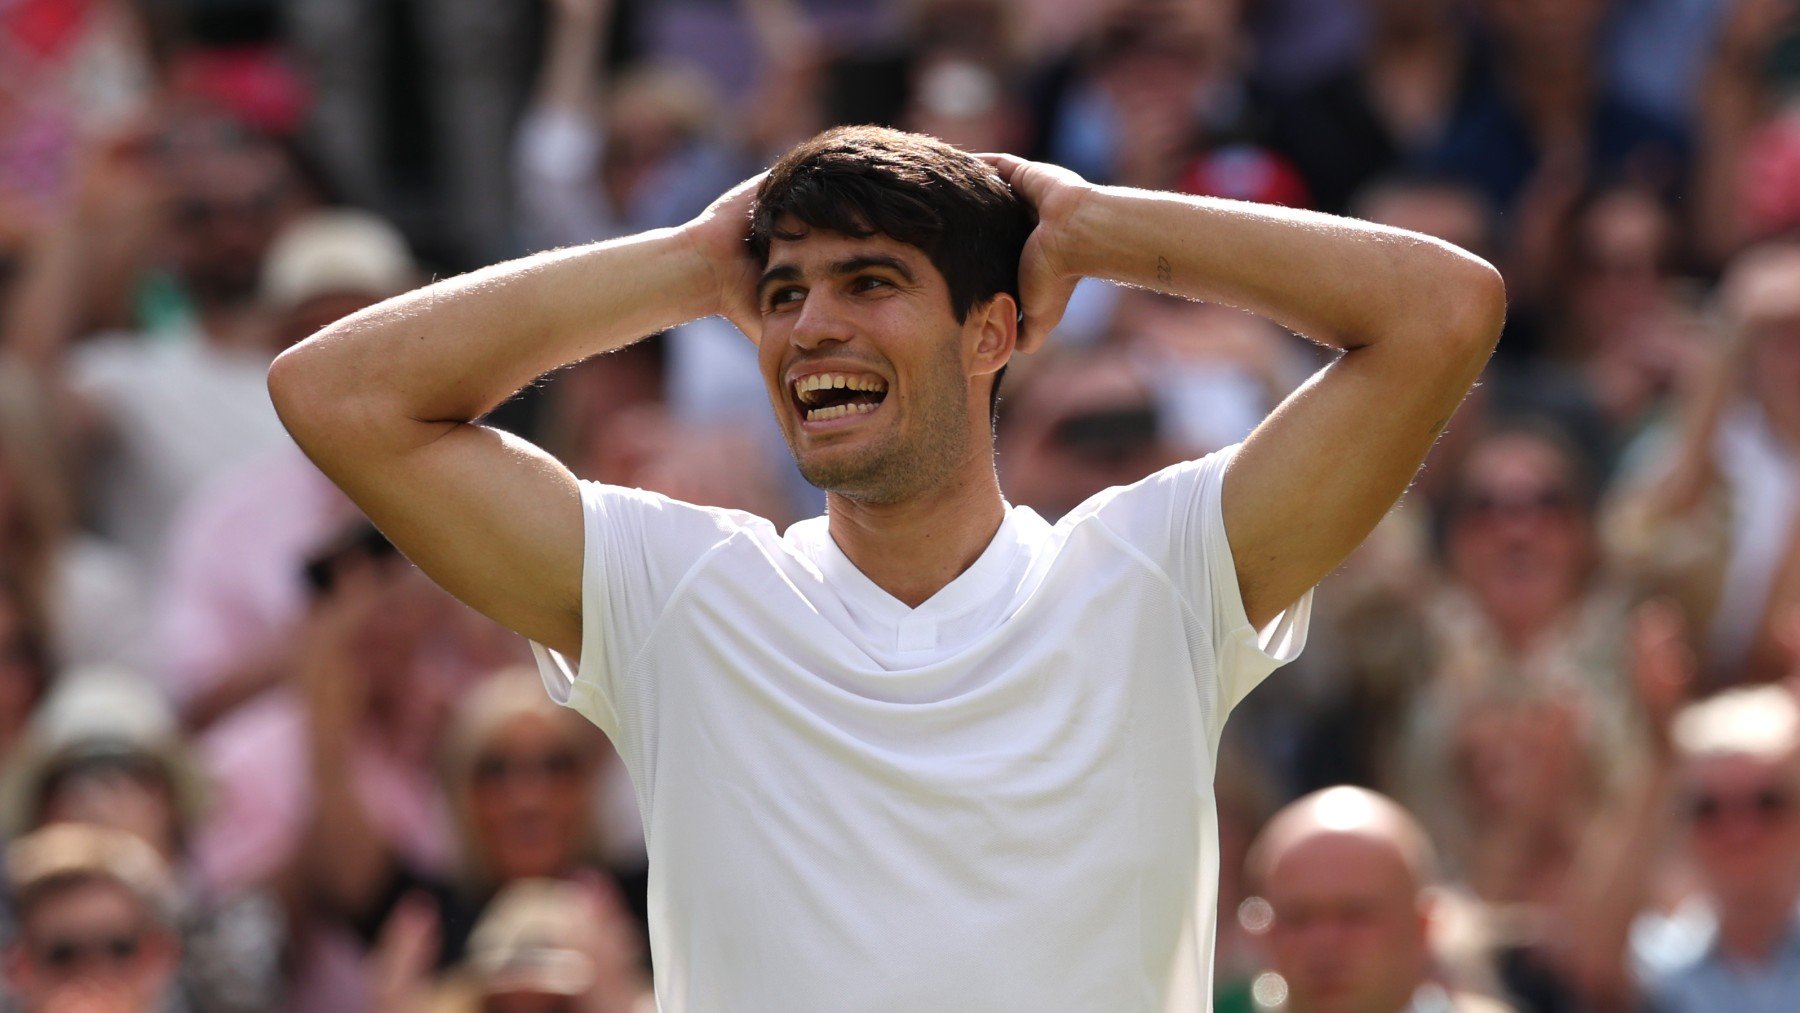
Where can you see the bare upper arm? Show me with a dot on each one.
(1318, 474)
(492, 518)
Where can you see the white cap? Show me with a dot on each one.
(333, 252)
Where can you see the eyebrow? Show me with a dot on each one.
(849, 265)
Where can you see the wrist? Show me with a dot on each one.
(705, 271)
(1080, 249)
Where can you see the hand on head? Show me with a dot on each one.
(1046, 279)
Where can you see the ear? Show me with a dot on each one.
(992, 330)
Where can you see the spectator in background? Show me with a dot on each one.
(1163, 81)
(1529, 611)
(94, 913)
(1077, 422)
(1745, 187)
(184, 398)
(1347, 875)
(1384, 114)
(541, 944)
(1709, 515)
(595, 160)
(84, 593)
(1622, 318)
(1720, 928)
(1540, 122)
(1739, 760)
(1525, 725)
(234, 590)
(521, 774)
(104, 750)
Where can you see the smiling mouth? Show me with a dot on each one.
(822, 397)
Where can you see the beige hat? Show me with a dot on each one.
(334, 252)
(526, 941)
(75, 852)
(97, 713)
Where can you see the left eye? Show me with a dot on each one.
(864, 284)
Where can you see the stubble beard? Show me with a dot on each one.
(895, 465)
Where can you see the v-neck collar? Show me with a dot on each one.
(975, 585)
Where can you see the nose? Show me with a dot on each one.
(819, 323)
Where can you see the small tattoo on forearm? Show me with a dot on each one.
(1165, 272)
(1439, 427)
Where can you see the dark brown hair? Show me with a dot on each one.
(864, 181)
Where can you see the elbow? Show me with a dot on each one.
(294, 390)
(314, 393)
(1477, 308)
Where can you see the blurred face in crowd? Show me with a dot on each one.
(1624, 242)
(876, 312)
(91, 945)
(1349, 934)
(1744, 824)
(1519, 536)
(1082, 425)
(529, 796)
(125, 792)
(231, 193)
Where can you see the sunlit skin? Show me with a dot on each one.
(831, 303)
(1349, 934)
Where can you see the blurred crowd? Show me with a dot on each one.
(1542, 754)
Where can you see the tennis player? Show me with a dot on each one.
(929, 751)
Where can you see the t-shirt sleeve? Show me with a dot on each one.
(638, 549)
(1176, 519)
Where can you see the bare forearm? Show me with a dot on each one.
(451, 351)
(1338, 281)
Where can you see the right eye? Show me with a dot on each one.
(785, 297)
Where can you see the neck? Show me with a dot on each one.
(911, 548)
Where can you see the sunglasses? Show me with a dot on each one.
(1765, 805)
(499, 768)
(66, 954)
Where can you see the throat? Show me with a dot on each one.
(913, 549)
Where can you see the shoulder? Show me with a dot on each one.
(1177, 484)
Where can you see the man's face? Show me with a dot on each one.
(1744, 825)
(867, 368)
(91, 943)
(528, 800)
(1519, 534)
(1349, 935)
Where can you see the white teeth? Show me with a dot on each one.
(838, 411)
(839, 381)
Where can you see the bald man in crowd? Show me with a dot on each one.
(1347, 873)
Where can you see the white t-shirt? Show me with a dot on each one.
(999, 800)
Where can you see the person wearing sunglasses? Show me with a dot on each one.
(1735, 943)
(94, 909)
(521, 776)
